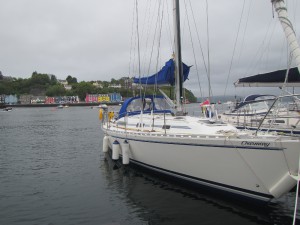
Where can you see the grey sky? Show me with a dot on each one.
(91, 39)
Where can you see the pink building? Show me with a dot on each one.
(49, 100)
(91, 98)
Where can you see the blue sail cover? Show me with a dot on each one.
(164, 76)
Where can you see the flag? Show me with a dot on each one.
(206, 102)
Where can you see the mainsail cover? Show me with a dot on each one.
(164, 76)
(272, 79)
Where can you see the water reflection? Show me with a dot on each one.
(157, 201)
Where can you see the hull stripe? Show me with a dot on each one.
(203, 145)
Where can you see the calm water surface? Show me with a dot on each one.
(53, 171)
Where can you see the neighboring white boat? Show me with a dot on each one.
(102, 106)
(60, 107)
(7, 109)
(254, 111)
(151, 133)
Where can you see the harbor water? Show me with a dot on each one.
(53, 171)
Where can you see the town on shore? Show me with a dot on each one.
(46, 90)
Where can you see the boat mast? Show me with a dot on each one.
(280, 8)
(178, 60)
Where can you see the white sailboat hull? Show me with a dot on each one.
(257, 169)
(198, 150)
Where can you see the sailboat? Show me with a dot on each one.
(255, 110)
(270, 112)
(153, 133)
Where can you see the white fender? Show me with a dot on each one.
(125, 152)
(278, 189)
(115, 150)
(105, 144)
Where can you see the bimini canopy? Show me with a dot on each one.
(272, 79)
(164, 76)
(254, 98)
(145, 104)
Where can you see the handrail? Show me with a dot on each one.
(271, 107)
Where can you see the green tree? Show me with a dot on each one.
(105, 84)
(83, 88)
(71, 80)
(6, 88)
(38, 78)
(113, 81)
(53, 80)
(190, 96)
(56, 90)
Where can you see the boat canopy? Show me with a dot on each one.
(164, 76)
(254, 99)
(271, 79)
(134, 105)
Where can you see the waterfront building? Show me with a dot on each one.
(50, 100)
(115, 97)
(103, 98)
(38, 100)
(2, 99)
(115, 86)
(98, 84)
(91, 98)
(11, 99)
(25, 99)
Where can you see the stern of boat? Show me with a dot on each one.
(291, 153)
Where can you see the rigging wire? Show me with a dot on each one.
(201, 49)
(235, 44)
(158, 46)
(243, 39)
(244, 34)
(169, 30)
(267, 50)
(255, 60)
(208, 54)
(152, 48)
(191, 38)
(159, 23)
(198, 36)
(149, 22)
(155, 30)
(131, 42)
(138, 44)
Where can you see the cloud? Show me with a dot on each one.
(92, 39)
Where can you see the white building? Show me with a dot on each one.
(115, 86)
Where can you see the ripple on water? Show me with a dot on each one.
(52, 171)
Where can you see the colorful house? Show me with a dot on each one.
(25, 99)
(38, 100)
(50, 100)
(2, 99)
(103, 98)
(11, 99)
(91, 98)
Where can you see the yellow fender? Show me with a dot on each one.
(100, 114)
(110, 115)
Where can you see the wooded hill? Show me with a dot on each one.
(48, 85)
